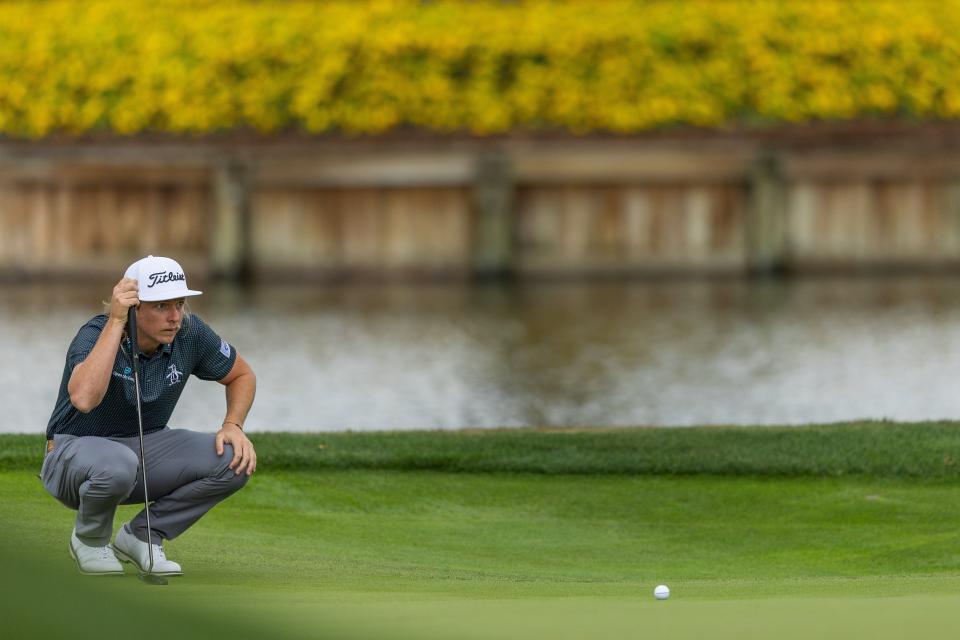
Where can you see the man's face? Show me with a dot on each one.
(159, 322)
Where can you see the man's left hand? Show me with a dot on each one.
(244, 456)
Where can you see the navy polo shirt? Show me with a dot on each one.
(195, 350)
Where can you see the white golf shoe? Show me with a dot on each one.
(94, 561)
(129, 548)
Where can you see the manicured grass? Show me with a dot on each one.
(342, 544)
(470, 555)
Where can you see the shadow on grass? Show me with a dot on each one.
(45, 597)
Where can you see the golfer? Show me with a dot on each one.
(92, 461)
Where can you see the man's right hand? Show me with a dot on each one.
(124, 297)
(89, 381)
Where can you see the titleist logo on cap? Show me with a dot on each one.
(159, 278)
(165, 276)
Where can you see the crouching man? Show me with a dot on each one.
(92, 462)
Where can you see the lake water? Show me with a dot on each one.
(680, 352)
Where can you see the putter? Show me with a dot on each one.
(149, 577)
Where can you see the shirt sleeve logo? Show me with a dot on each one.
(225, 349)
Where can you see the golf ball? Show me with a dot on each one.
(662, 592)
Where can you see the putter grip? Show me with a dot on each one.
(132, 332)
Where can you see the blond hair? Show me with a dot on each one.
(183, 323)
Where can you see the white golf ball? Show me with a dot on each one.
(662, 592)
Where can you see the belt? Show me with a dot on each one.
(49, 445)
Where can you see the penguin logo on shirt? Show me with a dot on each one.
(173, 376)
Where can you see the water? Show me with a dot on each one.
(367, 357)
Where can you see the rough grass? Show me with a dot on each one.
(878, 449)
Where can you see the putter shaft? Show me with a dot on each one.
(149, 576)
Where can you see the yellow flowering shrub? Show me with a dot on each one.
(203, 66)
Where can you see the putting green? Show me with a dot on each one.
(395, 554)
(840, 616)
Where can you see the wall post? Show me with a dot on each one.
(230, 244)
(493, 223)
(766, 219)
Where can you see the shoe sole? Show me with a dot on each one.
(122, 557)
(73, 554)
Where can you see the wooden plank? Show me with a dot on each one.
(363, 229)
(376, 171)
(261, 202)
(840, 165)
(730, 211)
(948, 199)
(536, 227)
(577, 212)
(610, 233)
(98, 174)
(442, 216)
(671, 215)
(326, 230)
(905, 202)
(19, 234)
(266, 207)
(599, 166)
(697, 214)
(152, 224)
(638, 223)
(67, 216)
(802, 221)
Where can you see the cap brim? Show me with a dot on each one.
(180, 294)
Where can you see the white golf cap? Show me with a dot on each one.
(159, 278)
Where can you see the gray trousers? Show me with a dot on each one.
(94, 475)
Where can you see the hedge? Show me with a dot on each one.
(203, 67)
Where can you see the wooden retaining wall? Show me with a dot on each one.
(730, 203)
